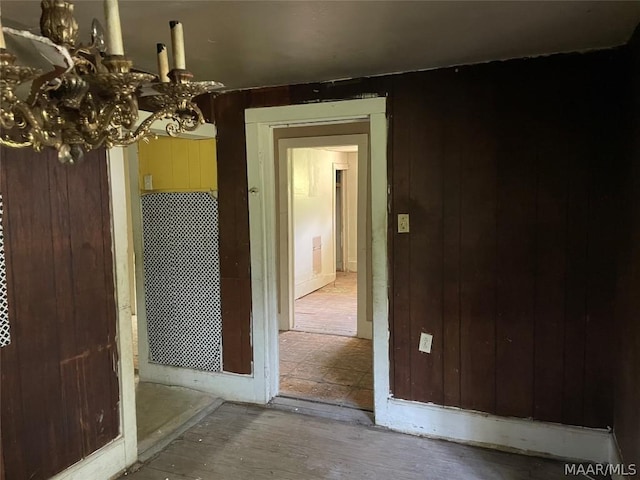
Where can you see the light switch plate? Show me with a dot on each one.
(148, 182)
(426, 339)
(403, 223)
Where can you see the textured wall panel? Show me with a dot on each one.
(5, 338)
(182, 279)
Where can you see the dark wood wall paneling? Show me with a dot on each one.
(235, 268)
(627, 374)
(235, 262)
(59, 384)
(509, 172)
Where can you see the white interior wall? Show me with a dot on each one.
(352, 212)
(313, 205)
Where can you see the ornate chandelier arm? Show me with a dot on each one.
(7, 142)
(184, 120)
(20, 116)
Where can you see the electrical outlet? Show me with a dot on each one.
(148, 182)
(403, 223)
(426, 339)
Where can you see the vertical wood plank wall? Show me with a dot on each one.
(233, 213)
(627, 374)
(513, 175)
(509, 171)
(59, 384)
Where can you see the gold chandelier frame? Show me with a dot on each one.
(94, 102)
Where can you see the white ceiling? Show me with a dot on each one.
(251, 44)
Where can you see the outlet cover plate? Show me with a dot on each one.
(426, 339)
(403, 223)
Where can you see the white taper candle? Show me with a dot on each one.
(163, 62)
(177, 44)
(2, 44)
(114, 30)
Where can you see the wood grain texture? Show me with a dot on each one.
(400, 321)
(60, 396)
(253, 443)
(455, 125)
(478, 248)
(516, 157)
(608, 157)
(427, 157)
(233, 217)
(627, 361)
(555, 148)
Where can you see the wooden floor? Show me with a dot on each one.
(327, 368)
(164, 412)
(332, 309)
(240, 442)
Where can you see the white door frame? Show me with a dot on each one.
(286, 271)
(261, 181)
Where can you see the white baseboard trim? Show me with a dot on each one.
(615, 457)
(307, 286)
(230, 386)
(503, 433)
(106, 463)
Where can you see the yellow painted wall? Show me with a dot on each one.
(178, 165)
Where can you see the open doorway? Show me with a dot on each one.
(325, 335)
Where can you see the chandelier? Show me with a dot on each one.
(89, 98)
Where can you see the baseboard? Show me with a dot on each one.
(307, 286)
(503, 433)
(230, 386)
(615, 456)
(105, 463)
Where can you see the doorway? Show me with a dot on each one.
(323, 226)
(267, 218)
(314, 293)
(321, 358)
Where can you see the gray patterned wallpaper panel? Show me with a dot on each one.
(182, 280)
(5, 337)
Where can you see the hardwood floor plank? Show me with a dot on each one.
(244, 442)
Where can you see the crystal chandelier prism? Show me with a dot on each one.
(89, 98)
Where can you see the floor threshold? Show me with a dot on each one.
(316, 408)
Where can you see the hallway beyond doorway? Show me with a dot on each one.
(332, 309)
